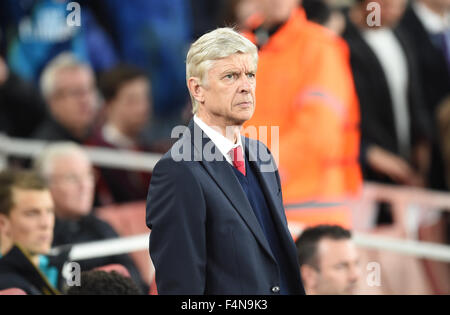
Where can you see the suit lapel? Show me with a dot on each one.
(223, 175)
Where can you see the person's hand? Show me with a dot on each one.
(422, 157)
(393, 166)
(4, 72)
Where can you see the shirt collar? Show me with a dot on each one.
(114, 136)
(433, 22)
(222, 143)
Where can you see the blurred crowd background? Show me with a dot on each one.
(358, 96)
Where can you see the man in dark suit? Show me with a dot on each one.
(395, 126)
(425, 24)
(215, 206)
(68, 87)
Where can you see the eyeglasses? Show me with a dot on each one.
(74, 92)
(75, 178)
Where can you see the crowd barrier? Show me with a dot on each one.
(124, 245)
(412, 208)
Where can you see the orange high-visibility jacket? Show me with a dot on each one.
(305, 87)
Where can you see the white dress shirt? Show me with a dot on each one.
(114, 136)
(433, 22)
(222, 143)
(392, 58)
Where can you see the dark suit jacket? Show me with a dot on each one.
(53, 131)
(377, 116)
(205, 236)
(435, 83)
(431, 60)
(17, 271)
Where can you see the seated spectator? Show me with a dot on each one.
(153, 35)
(26, 233)
(328, 260)
(69, 173)
(97, 282)
(126, 92)
(21, 105)
(39, 30)
(68, 86)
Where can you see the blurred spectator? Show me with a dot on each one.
(154, 35)
(26, 232)
(71, 180)
(68, 86)
(326, 14)
(126, 92)
(329, 261)
(38, 30)
(237, 13)
(98, 282)
(427, 22)
(305, 87)
(395, 127)
(21, 105)
(206, 15)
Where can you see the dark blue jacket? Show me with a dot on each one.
(17, 271)
(205, 236)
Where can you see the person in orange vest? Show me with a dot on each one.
(306, 89)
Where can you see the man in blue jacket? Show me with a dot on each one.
(215, 205)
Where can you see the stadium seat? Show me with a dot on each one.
(13, 291)
(129, 219)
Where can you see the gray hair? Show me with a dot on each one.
(217, 44)
(62, 61)
(43, 163)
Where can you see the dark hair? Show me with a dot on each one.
(317, 11)
(99, 282)
(114, 79)
(308, 240)
(21, 179)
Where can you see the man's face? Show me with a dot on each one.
(437, 4)
(229, 90)
(30, 221)
(391, 11)
(73, 103)
(339, 270)
(72, 185)
(131, 107)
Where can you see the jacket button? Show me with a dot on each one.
(276, 289)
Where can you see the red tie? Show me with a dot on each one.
(238, 159)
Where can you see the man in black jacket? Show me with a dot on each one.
(71, 181)
(26, 232)
(425, 24)
(395, 125)
(68, 87)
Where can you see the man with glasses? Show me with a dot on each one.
(70, 177)
(68, 87)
